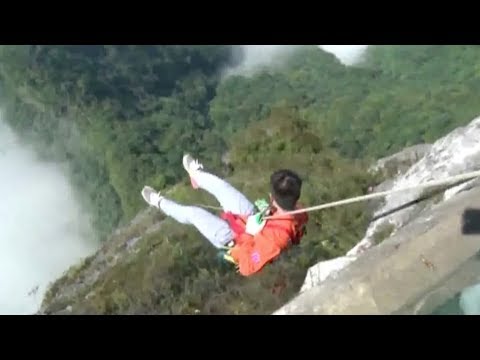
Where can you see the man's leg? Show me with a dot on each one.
(230, 199)
(210, 226)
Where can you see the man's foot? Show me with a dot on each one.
(192, 166)
(151, 196)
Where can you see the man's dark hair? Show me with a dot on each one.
(286, 186)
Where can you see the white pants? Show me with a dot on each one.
(212, 227)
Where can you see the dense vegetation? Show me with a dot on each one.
(122, 116)
(117, 114)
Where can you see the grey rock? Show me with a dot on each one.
(400, 162)
(130, 244)
(423, 265)
(455, 153)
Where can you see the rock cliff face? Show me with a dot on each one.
(400, 162)
(424, 264)
(424, 257)
(456, 153)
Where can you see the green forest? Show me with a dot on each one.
(121, 117)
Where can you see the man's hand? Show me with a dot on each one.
(255, 224)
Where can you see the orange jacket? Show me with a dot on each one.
(252, 253)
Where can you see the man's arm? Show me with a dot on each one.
(252, 255)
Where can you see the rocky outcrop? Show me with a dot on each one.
(325, 269)
(396, 225)
(400, 162)
(456, 153)
(394, 166)
(424, 264)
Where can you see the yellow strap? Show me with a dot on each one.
(229, 258)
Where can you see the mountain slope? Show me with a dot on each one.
(122, 117)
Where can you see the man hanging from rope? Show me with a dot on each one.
(242, 234)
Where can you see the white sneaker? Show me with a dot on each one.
(192, 166)
(151, 196)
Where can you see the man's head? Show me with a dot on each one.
(286, 186)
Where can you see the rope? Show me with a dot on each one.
(448, 180)
(209, 207)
